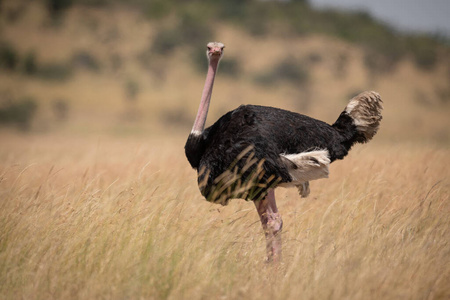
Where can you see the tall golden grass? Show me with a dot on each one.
(122, 218)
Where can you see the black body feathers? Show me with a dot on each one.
(243, 154)
(265, 132)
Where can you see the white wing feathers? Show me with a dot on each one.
(306, 166)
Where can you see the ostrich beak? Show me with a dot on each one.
(215, 51)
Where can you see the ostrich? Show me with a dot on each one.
(253, 149)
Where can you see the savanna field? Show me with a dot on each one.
(122, 218)
(98, 201)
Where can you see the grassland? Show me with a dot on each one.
(92, 218)
(97, 200)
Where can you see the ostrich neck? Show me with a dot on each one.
(200, 120)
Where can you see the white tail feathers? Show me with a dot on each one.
(365, 110)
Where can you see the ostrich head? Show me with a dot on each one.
(214, 50)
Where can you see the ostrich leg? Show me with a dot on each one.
(272, 225)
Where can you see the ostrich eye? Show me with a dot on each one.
(209, 48)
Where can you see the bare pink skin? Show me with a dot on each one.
(272, 224)
(214, 54)
(267, 208)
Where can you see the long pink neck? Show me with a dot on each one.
(200, 120)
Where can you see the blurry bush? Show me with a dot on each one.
(176, 118)
(257, 18)
(60, 108)
(376, 64)
(158, 9)
(30, 65)
(287, 70)
(131, 90)
(131, 111)
(55, 71)
(19, 113)
(116, 61)
(230, 67)
(341, 66)
(443, 94)
(12, 12)
(192, 29)
(9, 58)
(165, 41)
(57, 7)
(85, 60)
(424, 51)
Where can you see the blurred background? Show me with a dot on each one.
(137, 67)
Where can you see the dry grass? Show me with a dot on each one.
(115, 218)
(121, 217)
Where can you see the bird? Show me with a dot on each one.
(251, 150)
